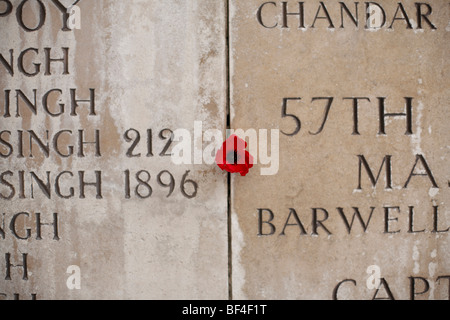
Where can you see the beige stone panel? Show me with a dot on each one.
(321, 172)
(154, 65)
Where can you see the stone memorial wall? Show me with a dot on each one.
(90, 198)
(112, 114)
(359, 206)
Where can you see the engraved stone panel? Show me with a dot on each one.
(359, 91)
(92, 205)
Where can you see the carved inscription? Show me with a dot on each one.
(364, 146)
(24, 101)
(344, 14)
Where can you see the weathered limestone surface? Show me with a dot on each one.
(154, 65)
(357, 210)
(295, 235)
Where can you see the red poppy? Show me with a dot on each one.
(232, 156)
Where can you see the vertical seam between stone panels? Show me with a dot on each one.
(228, 107)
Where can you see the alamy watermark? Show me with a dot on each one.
(374, 279)
(376, 16)
(201, 146)
(74, 280)
(74, 19)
